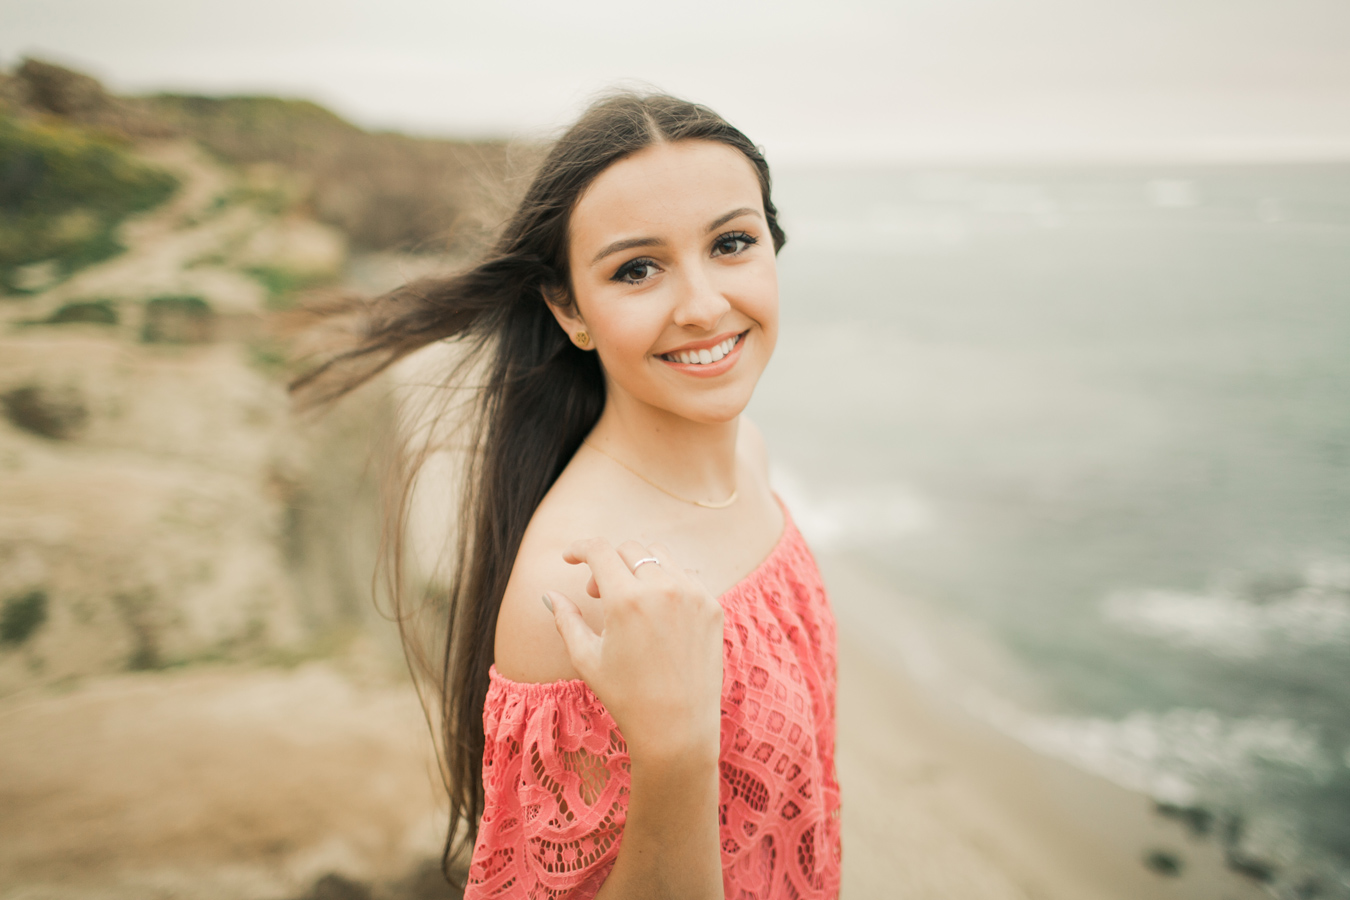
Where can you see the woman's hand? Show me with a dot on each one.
(657, 663)
(657, 667)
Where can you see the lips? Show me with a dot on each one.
(705, 356)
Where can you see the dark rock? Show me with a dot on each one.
(338, 887)
(62, 91)
(1164, 862)
(427, 882)
(21, 616)
(1239, 860)
(1197, 819)
(56, 90)
(1250, 866)
(50, 413)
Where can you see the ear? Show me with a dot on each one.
(567, 314)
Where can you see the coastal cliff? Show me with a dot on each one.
(185, 565)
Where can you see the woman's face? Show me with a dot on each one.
(674, 279)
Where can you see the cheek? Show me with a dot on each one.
(626, 333)
(757, 295)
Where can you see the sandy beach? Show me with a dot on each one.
(238, 782)
(938, 805)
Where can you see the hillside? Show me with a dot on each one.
(385, 191)
(197, 696)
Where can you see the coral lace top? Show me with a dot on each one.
(556, 774)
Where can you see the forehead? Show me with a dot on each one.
(664, 188)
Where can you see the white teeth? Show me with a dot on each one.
(704, 357)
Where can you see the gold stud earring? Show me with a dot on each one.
(583, 338)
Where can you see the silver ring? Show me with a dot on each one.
(645, 559)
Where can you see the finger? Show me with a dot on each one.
(634, 554)
(608, 570)
(582, 644)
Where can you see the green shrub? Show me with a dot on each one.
(269, 356)
(178, 320)
(283, 285)
(63, 190)
(21, 616)
(99, 312)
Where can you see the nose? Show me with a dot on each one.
(700, 304)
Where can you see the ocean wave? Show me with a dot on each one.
(851, 516)
(1197, 760)
(1308, 610)
(1170, 756)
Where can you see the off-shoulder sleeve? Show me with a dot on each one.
(555, 784)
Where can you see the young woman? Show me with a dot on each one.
(637, 687)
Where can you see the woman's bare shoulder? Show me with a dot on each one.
(582, 504)
(528, 647)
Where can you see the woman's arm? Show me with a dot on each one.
(657, 667)
(671, 847)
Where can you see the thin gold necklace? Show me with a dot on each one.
(723, 505)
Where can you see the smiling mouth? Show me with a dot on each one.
(707, 356)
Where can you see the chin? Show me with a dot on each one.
(711, 410)
(717, 417)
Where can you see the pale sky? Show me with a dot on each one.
(845, 80)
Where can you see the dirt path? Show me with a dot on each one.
(163, 245)
(198, 243)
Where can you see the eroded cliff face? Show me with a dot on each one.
(151, 471)
(198, 696)
(161, 504)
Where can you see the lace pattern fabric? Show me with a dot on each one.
(556, 769)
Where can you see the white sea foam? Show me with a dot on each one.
(1170, 755)
(861, 515)
(1314, 611)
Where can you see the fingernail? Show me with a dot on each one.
(548, 603)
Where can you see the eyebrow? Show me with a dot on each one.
(630, 243)
(734, 214)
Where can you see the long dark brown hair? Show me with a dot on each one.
(534, 396)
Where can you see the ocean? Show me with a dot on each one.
(1097, 421)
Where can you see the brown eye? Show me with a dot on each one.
(635, 271)
(732, 244)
